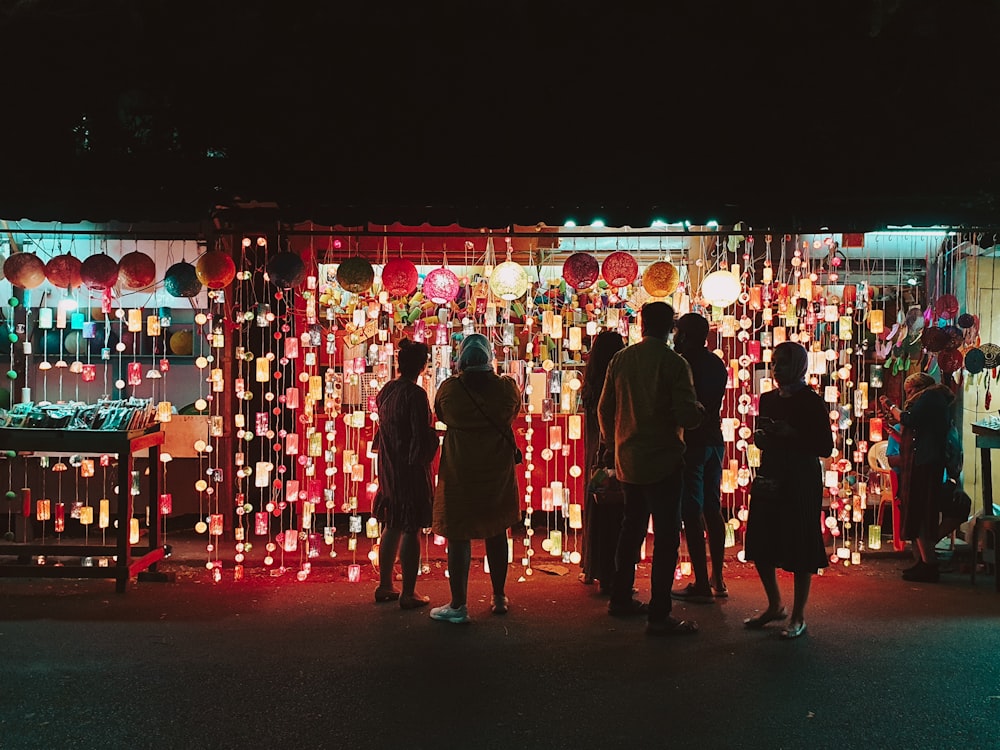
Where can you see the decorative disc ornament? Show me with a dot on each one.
(355, 275)
(441, 286)
(25, 270)
(975, 361)
(215, 269)
(181, 280)
(63, 271)
(136, 270)
(660, 279)
(720, 288)
(954, 337)
(991, 353)
(619, 269)
(99, 271)
(286, 270)
(400, 277)
(966, 320)
(509, 281)
(934, 339)
(949, 360)
(946, 306)
(581, 270)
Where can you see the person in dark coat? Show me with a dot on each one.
(601, 523)
(783, 531)
(406, 443)
(701, 498)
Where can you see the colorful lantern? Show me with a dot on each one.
(441, 286)
(399, 277)
(215, 269)
(63, 271)
(660, 279)
(136, 270)
(181, 280)
(508, 281)
(99, 271)
(619, 269)
(355, 275)
(581, 270)
(24, 270)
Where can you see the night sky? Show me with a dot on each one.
(784, 113)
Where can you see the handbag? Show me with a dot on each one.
(518, 455)
(766, 489)
(603, 485)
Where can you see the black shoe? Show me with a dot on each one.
(924, 574)
(914, 568)
(691, 593)
(632, 608)
(671, 626)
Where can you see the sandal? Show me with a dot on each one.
(756, 623)
(385, 595)
(794, 630)
(500, 605)
(671, 626)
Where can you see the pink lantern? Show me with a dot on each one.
(441, 286)
(619, 269)
(581, 270)
(399, 277)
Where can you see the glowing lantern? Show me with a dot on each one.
(875, 429)
(181, 280)
(720, 288)
(399, 277)
(661, 278)
(63, 271)
(215, 269)
(24, 270)
(182, 343)
(136, 270)
(581, 270)
(441, 286)
(99, 271)
(286, 270)
(509, 281)
(104, 513)
(619, 269)
(355, 275)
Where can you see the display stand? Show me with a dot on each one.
(125, 444)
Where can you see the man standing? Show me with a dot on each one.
(648, 399)
(702, 495)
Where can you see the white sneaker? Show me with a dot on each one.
(446, 613)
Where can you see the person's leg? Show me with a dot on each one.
(715, 524)
(803, 581)
(691, 513)
(409, 561)
(496, 556)
(769, 579)
(459, 560)
(664, 499)
(388, 546)
(633, 531)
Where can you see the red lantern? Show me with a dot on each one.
(441, 286)
(619, 269)
(581, 270)
(99, 271)
(136, 270)
(24, 270)
(399, 277)
(215, 269)
(63, 271)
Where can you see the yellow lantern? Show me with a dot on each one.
(509, 281)
(720, 288)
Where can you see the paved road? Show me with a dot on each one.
(272, 662)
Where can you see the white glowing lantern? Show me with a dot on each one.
(720, 288)
(509, 281)
(575, 426)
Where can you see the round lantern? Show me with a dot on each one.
(509, 281)
(136, 270)
(661, 278)
(286, 270)
(99, 271)
(946, 306)
(399, 277)
(355, 275)
(182, 342)
(581, 270)
(63, 271)
(441, 286)
(24, 270)
(181, 280)
(720, 288)
(619, 269)
(215, 269)
(949, 360)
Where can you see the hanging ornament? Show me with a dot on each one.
(581, 270)
(949, 360)
(99, 271)
(441, 286)
(620, 269)
(63, 271)
(509, 281)
(720, 288)
(946, 306)
(975, 361)
(181, 280)
(399, 277)
(355, 275)
(286, 270)
(136, 270)
(965, 320)
(182, 343)
(934, 339)
(25, 270)
(215, 269)
(660, 279)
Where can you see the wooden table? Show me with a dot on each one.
(124, 444)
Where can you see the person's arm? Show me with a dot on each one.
(512, 400)
(425, 441)
(606, 407)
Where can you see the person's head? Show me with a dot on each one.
(790, 362)
(605, 346)
(657, 319)
(690, 332)
(411, 358)
(915, 384)
(476, 354)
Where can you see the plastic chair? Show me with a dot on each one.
(889, 482)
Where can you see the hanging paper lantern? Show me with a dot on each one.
(660, 279)
(946, 306)
(399, 277)
(136, 270)
(509, 281)
(25, 270)
(949, 360)
(181, 280)
(620, 269)
(215, 269)
(581, 270)
(720, 288)
(441, 286)
(99, 271)
(355, 275)
(63, 271)
(286, 270)
(182, 342)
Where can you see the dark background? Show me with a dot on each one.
(792, 113)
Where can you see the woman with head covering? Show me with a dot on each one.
(476, 495)
(783, 530)
(926, 417)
